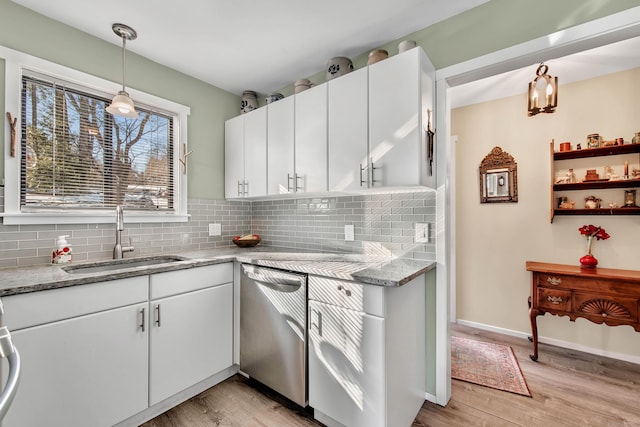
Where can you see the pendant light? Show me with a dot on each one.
(122, 105)
(548, 102)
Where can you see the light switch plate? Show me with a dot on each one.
(215, 229)
(349, 233)
(422, 233)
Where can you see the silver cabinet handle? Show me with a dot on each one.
(239, 185)
(362, 169)
(373, 174)
(245, 186)
(143, 316)
(289, 179)
(298, 177)
(317, 324)
(158, 315)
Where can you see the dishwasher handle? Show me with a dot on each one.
(276, 279)
(13, 357)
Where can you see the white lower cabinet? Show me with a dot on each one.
(366, 352)
(191, 339)
(90, 369)
(98, 354)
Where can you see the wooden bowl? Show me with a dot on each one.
(249, 243)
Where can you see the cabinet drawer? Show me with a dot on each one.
(604, 306)
(557, 280)
(192, 279)
(351, 295)
(554, 299)
(37, 308)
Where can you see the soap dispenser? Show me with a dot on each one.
(62, 252)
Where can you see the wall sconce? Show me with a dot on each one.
(122, 105)
(550, 92)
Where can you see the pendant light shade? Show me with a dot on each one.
(122, 105)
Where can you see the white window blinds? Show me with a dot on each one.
(78, 156)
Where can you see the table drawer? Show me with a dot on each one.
(601, 305)
(556, 280)
(554, 299)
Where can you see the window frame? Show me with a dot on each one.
(15, 63)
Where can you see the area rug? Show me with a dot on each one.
(487, 364)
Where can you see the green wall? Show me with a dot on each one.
(493, 26)
(59, 43)
(487, 28)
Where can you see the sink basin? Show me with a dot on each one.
(121, 264)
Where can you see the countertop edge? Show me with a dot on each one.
(374, 271)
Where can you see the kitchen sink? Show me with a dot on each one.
(121, 264)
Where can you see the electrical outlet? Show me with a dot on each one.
(349, 233)
(215, 229)
(422, 233)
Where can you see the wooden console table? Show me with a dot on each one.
(601, 295)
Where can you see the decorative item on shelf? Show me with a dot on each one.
(377, 56)
(635, 173)
(630, 199)
(590, 231)
(636, 138)
(626, 170)
(619, 141)
(249, 101)
(565, 203)
(273, 98)
(405, 45)
(338, 66)
(594, 140)
(246, 241)
(578, 146)
(592, 202)
(550, 92)
(122, 105)
(591, 175)
(301, 85)
(565, 146)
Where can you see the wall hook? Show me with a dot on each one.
(183, 158)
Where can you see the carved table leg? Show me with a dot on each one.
(533, 314)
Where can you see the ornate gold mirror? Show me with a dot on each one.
(498, 178)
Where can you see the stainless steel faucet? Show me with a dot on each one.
(118, 249)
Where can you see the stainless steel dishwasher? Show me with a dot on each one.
(273, 329)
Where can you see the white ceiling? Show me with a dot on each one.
(247, 44)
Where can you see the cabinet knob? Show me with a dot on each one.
(347, 292)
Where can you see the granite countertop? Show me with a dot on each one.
(360, 268)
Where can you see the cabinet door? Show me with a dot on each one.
(233, 156)
(255, 152)
(346, 365)
(280, 140)
(311, 139)
(348, 131)
(191, 339)
(89, 370)
(394, 119)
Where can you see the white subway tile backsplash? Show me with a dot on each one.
(383, 224)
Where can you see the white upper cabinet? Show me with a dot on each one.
(246, 155)
(366, 129)
(280, 140)
(401, 92)
(348, 131)
(311, 140)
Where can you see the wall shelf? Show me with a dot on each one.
(615, 150)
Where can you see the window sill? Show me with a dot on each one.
(9, 218)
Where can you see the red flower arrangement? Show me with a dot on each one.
(590, 231)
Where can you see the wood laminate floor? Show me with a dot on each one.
(569, 389)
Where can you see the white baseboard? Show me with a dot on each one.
(553, 341)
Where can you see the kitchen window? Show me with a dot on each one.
(75, 162)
